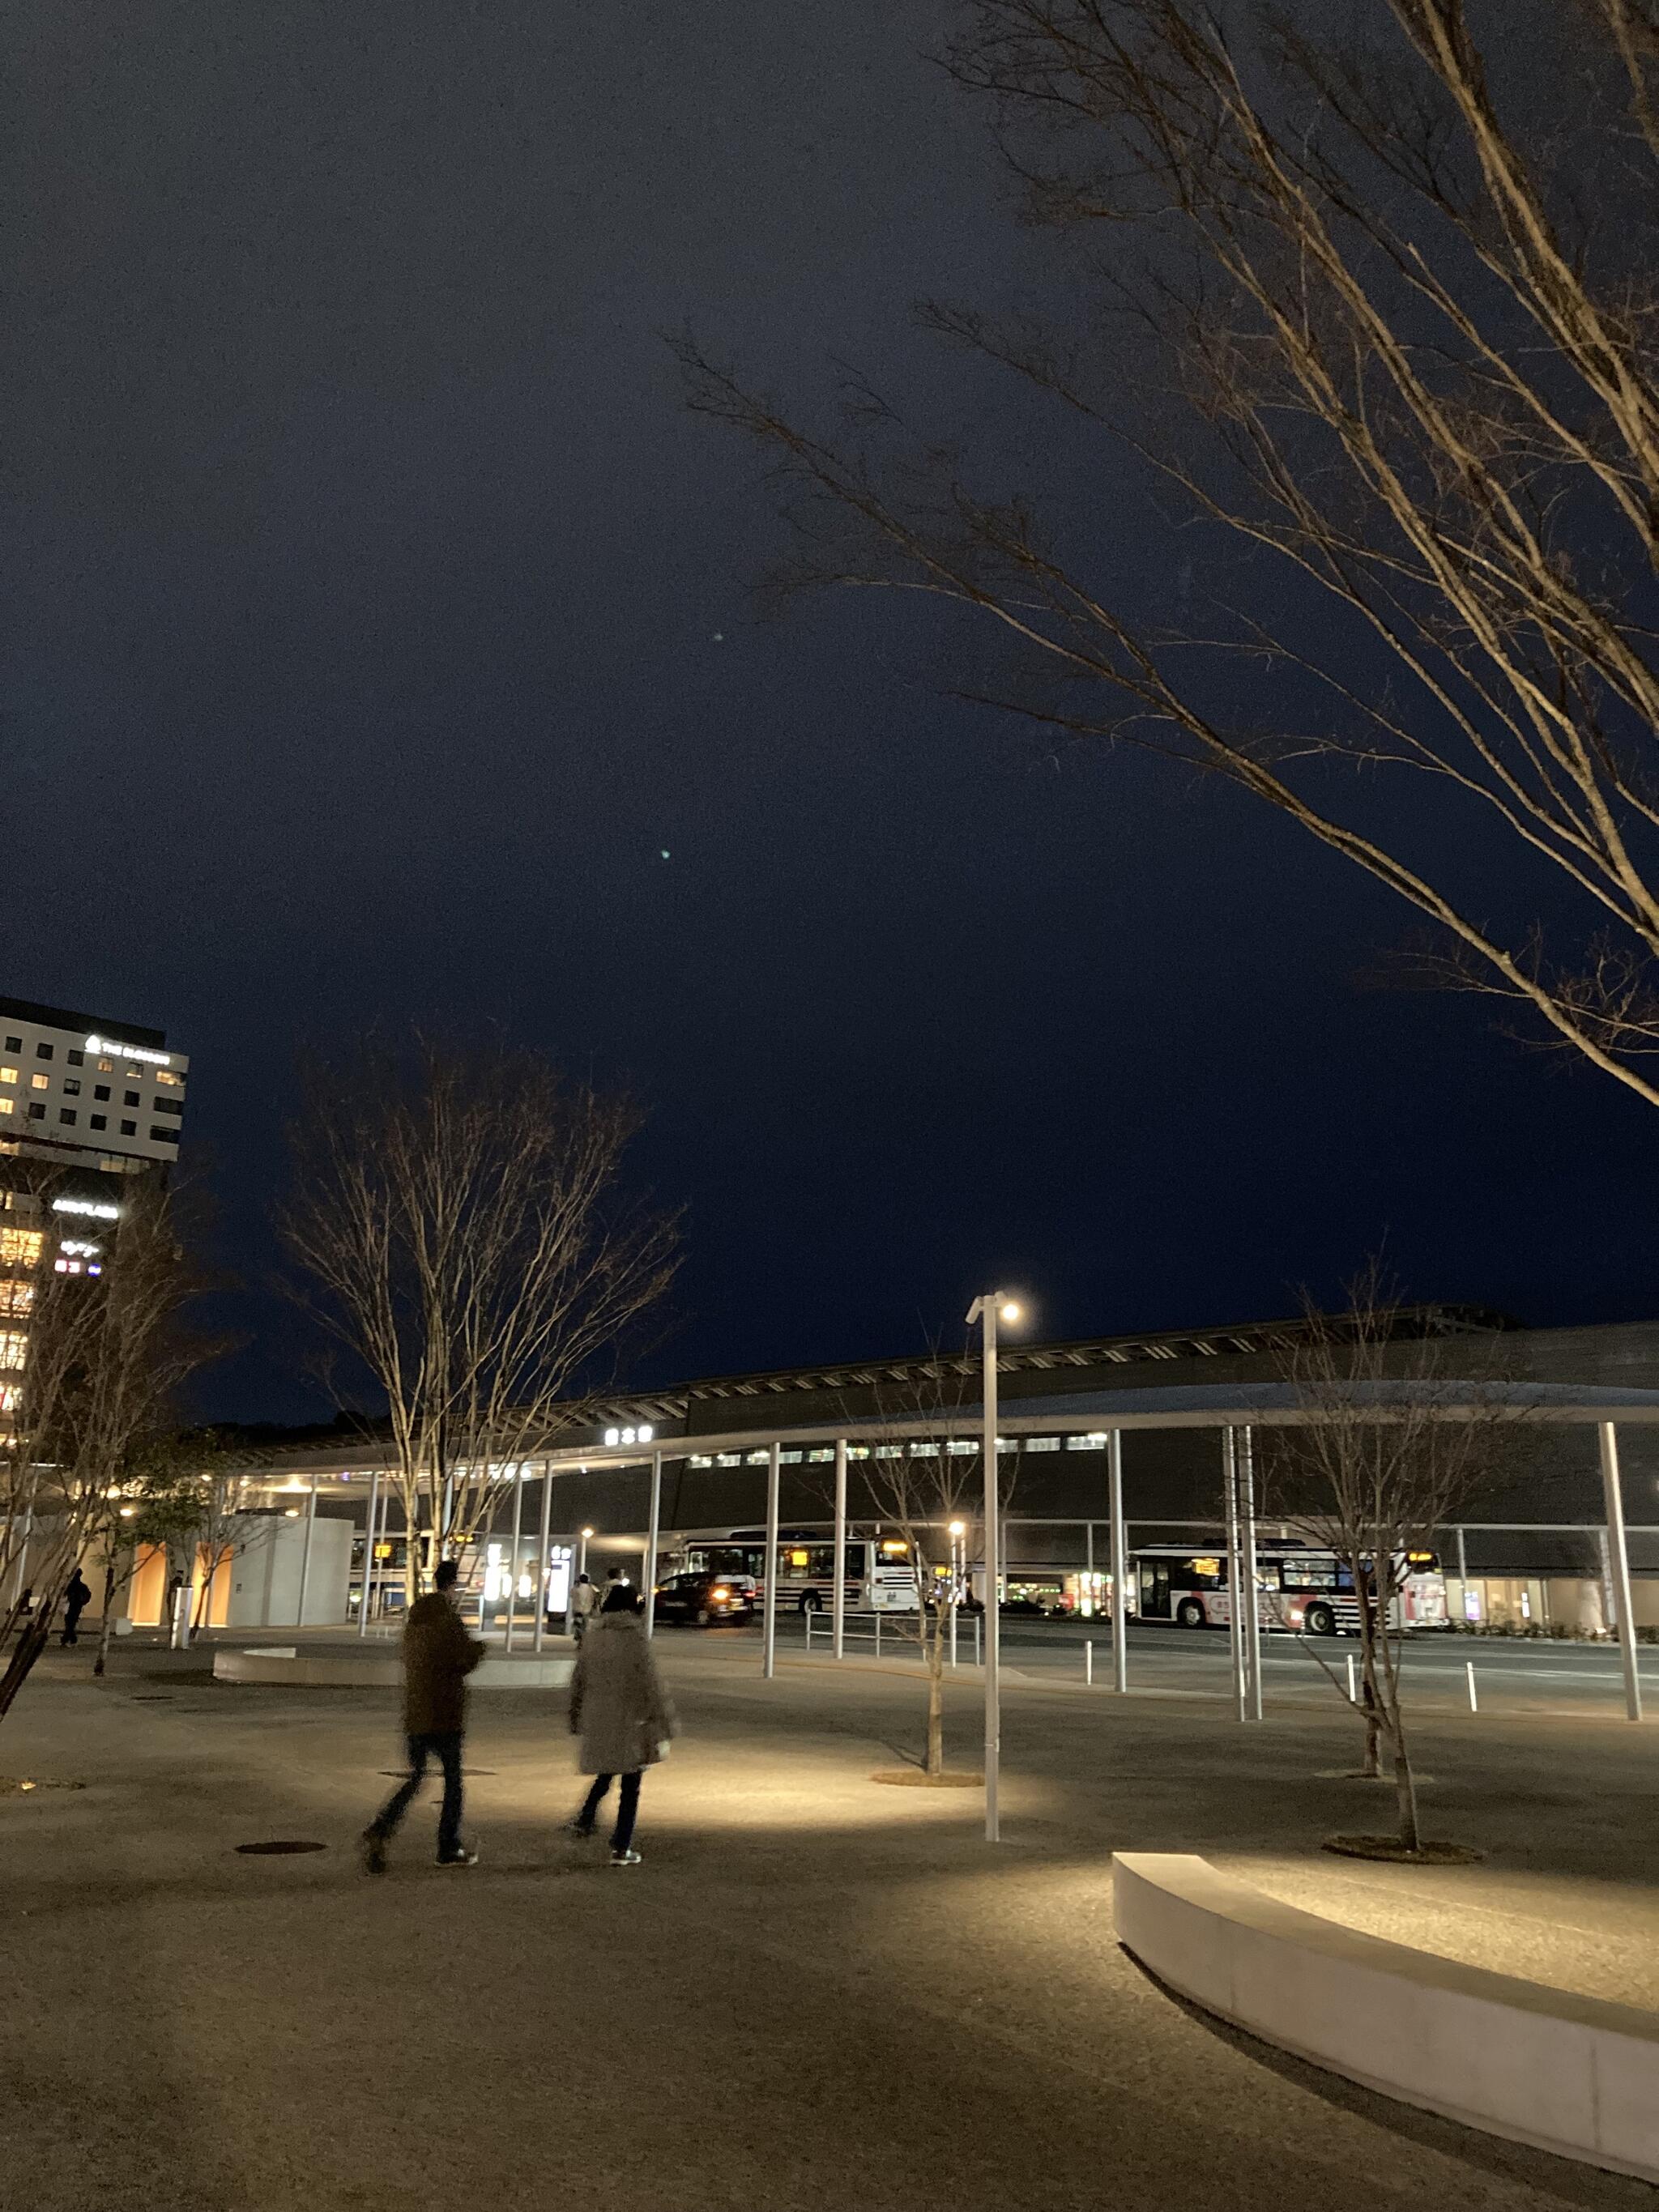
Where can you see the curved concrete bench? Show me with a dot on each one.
(1572, 2075)
(285, 1662)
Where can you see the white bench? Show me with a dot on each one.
(1573, 2075)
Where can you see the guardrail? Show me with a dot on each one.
(824, 1632)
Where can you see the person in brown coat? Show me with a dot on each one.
(623, 1714)
(438, 1657)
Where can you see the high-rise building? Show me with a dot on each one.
(83, 1102)
(103, 1097)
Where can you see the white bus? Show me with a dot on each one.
(1298, 1587)
(879, 1574)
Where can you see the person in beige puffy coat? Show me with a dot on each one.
(623, 1714)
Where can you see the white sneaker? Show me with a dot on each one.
(624, 1858)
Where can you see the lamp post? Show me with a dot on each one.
(987, 1310)
(581, 1553)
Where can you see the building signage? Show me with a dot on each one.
(132, 1051)
(94, 1207)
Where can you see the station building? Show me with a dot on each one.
(1530, 1554)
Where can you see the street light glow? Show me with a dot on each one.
(588, 1532)
(1011, 1309)
(958, 1528)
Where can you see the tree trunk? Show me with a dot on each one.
(30, 1644)
(107, 1625)
(1373, 1765)
(935, 1702)
(1406, 1795)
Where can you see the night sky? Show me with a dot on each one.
(376, 617)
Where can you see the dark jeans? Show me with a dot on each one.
(628, 1806)
(446, 1750)
(72, 1624)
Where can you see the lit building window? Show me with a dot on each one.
(8, 1105)
(39, 1083)
(13, 1348)
(106, 1067)
(171, 1078)
(8, 1075)
(21, 1247)
(16, 1297)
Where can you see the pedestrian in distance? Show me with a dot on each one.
(438, 1657)
(76, 1598)
(623, 1714)
(584, 1603)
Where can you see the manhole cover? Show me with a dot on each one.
(283, 1848)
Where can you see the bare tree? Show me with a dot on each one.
(1389, 1455)
(104, 1355)
(1390, 304)
(161, 1503)
(458, 1220)
(930, 1490)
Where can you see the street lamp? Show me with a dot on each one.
(581, 1554)
(988, 1310)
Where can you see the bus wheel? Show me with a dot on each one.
(1319, 1621)
(809, 1602)
(1190, 1613)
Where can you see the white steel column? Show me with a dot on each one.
(368, 1553)
(986, 1313)
(1120, 1566)
(512, 1571)
(305, 1555)
(769, 1612)
(1235, 1569)
(838, 1594)
(651, 1545)
(1246, 1448)
(1621, 1564)
(542, 1561)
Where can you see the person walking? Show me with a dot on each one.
(585, 1603)
(438, 1657)
(622, 1712)
(77, 1596)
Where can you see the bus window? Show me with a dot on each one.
(1299, 1575)
(1202, 1572)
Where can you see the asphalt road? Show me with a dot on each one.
(1510, 1672)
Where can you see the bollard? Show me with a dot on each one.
(1088, 1660)
(878, 1635)
(1353, 1694)
(976, 1656)
(806, 1615)
(1474, 1703)
(953, 1636)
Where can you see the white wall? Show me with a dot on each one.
(267, 1572)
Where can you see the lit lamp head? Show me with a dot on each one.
(958, 1528)
(588, 1532)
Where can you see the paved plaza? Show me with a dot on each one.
(814, 1990)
